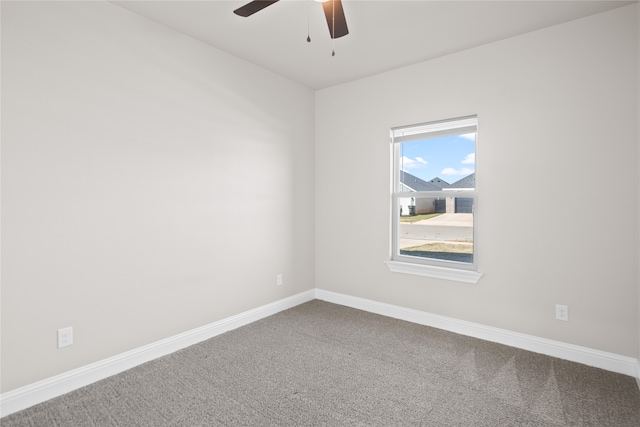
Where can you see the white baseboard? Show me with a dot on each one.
(41, 391)
(587, 356)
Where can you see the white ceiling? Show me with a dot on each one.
(384, 35)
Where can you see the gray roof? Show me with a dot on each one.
(416, 183)
(436, 184)
(468, 181)
(440, 182)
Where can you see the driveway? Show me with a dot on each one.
(443, 228)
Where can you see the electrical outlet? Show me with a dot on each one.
(562, 312)
(65, 337)
(279, 279)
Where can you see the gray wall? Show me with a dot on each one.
(150, 185)
(558, 121)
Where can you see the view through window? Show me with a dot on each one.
(434, 193)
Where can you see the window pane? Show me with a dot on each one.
(436, 164)
(438, 225)
(441, 236)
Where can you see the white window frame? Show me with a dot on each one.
(429, 267)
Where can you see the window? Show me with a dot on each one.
(434, 200)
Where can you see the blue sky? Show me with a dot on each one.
(450, 157)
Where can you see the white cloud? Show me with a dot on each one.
(470, 136)
(416, 163)
(457, 172)
(470, 159)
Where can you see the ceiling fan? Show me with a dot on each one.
(332, 11)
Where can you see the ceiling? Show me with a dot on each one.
(384, 35)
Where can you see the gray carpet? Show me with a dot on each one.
(324, 364)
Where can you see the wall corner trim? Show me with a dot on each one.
(32, 394)
(586, 356)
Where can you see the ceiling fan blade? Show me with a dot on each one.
(253, 7)
(335, 15)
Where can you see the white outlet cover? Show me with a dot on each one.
(65, 337)
(562, 312)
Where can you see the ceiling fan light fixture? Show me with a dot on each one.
(332, 9)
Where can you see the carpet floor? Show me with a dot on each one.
(321, 364)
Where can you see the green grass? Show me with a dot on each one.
(407, 218)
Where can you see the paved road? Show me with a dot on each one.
(442, 228)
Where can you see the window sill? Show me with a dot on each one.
(457, 275)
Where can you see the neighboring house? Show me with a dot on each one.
(461, 204)
(422, 205)
(436, 204)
